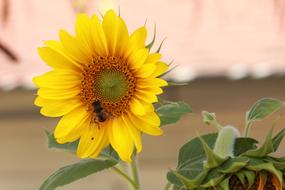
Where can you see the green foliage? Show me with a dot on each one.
(171, 112)
(263, 108)
(264, 150)
(243, 144)
(75, 172)
(193, 170)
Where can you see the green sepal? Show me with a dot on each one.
(246, 177)
(277, 162)
(250, 176)
(210, 119)
(213, 178)
(278, 139)
(213, 160)
(224, 185)
(160, 46)
(269, 167)
(149, 46)
(233, 165)
(264, 150)
(190, 183)
(241, 178)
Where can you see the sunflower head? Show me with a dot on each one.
(103, 84)
(228, 161)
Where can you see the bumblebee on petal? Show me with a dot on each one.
(103, 84)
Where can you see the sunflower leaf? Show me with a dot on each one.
(264, 150)
(73, 172)
(244, 144)
(263, 108)
(191, 160)
(171, 112)
(277, 139)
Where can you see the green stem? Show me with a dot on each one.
(134, 171)
(247, 129)
(125, 176)
(167, 186)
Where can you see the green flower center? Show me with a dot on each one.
(111, 85)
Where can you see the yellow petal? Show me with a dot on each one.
(58, 79)
(153, 58)
(71, 122)
(57, 108)
(99, 38)
(137, 40)
(58, 94)
(56, 59)
(154, 90)
(148, 123)
(151, 82)
(134, 132)
(92, 141)
(160, 69)
(116, 33)
(74, 48)
(146, 96)
(121, 140)
(138, 58)
(83, 31)
(146, 70)
(137, 107)
(76, 132)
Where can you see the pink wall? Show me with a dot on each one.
(204, 37)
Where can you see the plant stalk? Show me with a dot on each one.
(134, 172)
(167, 186)
(126, 177)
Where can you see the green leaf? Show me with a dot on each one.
(75, 172)
(277, 139)
(213, 178)
(172, 112)
(233, 165)
(191, 159)
(264, 150)
(244, 144)
(263, 108)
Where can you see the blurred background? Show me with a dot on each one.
(232, 53)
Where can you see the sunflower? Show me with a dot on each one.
(103, 86)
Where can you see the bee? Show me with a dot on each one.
(101, 114)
